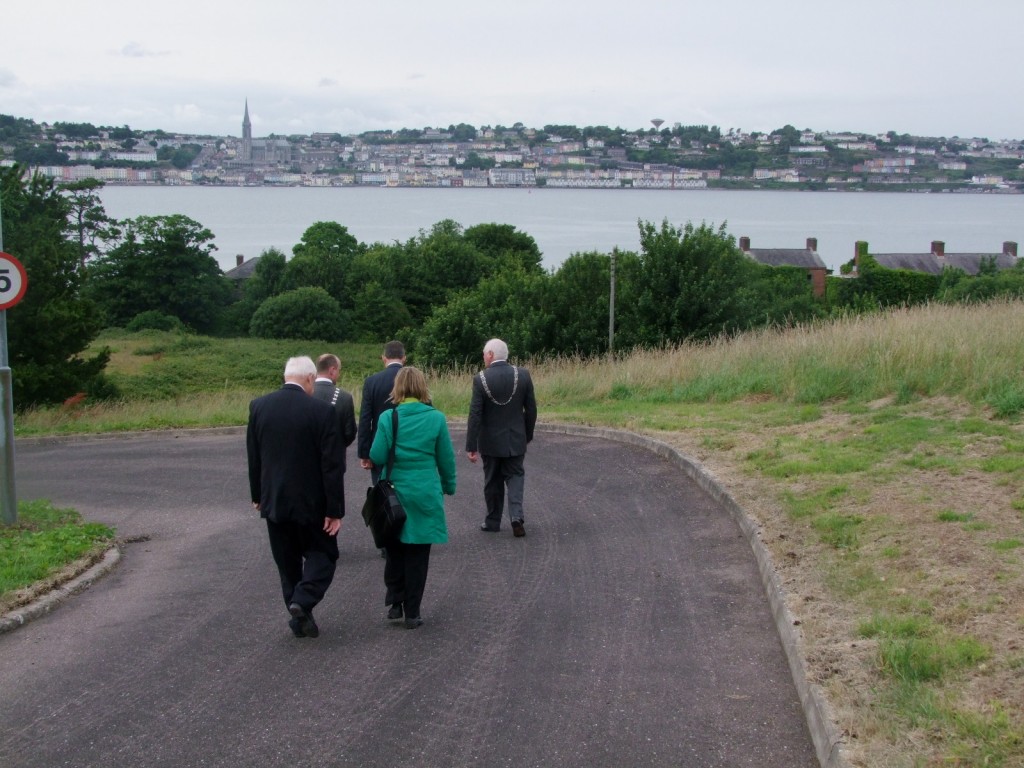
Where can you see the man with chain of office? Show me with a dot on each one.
(502, 415)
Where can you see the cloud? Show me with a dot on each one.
(327, 82)
(135, 50)
(7, 78)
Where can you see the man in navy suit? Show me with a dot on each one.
(502, 415)
(377, 399)
(297, 482)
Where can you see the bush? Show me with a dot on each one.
(153, 320)
(303, 313)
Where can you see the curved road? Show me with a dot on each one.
(629, 628)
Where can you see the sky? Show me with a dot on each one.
(923, 67)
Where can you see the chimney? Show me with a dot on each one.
(744, 244)
(812, 243)
(860, 248)
(1010, 248)
(938, 248)
(239, 258)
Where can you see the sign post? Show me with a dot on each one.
(13, 282)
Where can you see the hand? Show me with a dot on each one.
(365, 463)
(472, 456)
(332, 525)
(256, 506)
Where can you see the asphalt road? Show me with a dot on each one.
(629, 627)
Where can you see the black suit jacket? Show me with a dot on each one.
(296, 458)
(501, 424)
(343, 406)
(376, 399)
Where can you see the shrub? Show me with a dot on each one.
(153, 320)
(303, 313)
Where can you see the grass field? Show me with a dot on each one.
(882, 456)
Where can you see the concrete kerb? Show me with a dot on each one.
(19, 616)
(827, 742)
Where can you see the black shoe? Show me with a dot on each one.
(293, 624)
(488, 529)
(395, 612)
(411, 622)
(517, 529)
(304, 621)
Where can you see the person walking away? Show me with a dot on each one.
(297, 483)
(424, 470)
(502, 417)
(328, 368)
(377, 399)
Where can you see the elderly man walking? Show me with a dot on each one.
(297, 482)
(502, 415)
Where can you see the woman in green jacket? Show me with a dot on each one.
(424, 470)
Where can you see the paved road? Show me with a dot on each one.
(629, 628)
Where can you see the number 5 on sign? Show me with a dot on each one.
(13, 281)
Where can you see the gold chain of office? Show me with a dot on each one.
(487, 390)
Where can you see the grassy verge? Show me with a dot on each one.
(44, 541)
(882, 455)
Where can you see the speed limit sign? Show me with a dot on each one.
(13, 281)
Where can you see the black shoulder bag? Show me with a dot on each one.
(382, 511)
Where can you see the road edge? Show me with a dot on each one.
(817, 712)
(43, 605)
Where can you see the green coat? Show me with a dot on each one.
(424, 468)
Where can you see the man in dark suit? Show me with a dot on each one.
(377, 399)
(297, 482)
(328, 368)
(502, 415)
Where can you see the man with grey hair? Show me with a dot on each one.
(502, 416)
(297, 483)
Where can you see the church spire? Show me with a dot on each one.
(246, 136)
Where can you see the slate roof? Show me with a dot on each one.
(933, 263)
(243, 271)
(787, 257)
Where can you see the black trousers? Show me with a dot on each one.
(501, 472)
(306, 558)
(405, 576)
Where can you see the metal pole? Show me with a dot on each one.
(611, 307)
(8, 498)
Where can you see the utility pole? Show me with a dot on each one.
(611, 306)
(8, 498)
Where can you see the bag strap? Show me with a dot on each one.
(394, 440)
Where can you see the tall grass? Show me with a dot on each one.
(973, 352)
(970, 352)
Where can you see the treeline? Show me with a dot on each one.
(444, 292)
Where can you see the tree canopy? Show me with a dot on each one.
(50, 329)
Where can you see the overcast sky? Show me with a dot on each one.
(927, 67)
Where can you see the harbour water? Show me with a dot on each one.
(247, 220)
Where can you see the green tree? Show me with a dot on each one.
(579, 294)
(304, 313)
(267, 280)
(504, 246)
(89, 220)
(322, 259)
(50, 329)
(511, 305)
(163, 263)
(693, 283)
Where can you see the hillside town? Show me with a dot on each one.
(658, 157)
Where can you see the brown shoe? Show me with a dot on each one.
(517, 529)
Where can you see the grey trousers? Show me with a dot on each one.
(501, 473)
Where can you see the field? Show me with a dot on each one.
(882, 456)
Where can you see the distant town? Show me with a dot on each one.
(662, 156)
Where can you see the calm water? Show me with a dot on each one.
(246, 220)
